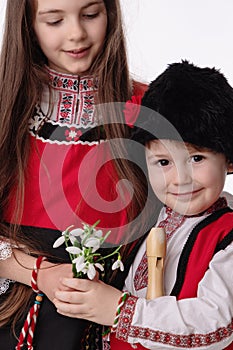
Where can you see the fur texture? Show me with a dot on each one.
(188, 103)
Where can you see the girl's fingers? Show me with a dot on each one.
(78, 284)
(72, 297)
(72, 310)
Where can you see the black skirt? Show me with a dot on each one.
(53, 331)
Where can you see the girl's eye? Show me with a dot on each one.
(197, 158)
(54, 23)
(163, 162)
(91, 15)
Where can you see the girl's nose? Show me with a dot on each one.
(76, 31)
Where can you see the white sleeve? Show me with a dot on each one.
(5, 253)
(204, 322)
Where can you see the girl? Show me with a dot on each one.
(188, 152)
(58, 61)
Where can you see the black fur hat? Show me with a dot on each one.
(189, 104)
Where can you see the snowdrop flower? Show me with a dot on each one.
(118, 264)
(79, 263)
(98, 233)
(77, 232)
(93, 243)
(59, 241)
(82, 244)
(87, 268)
(91, 271)
(99, 266)
(74, 250)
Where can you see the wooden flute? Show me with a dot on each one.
(156, 253)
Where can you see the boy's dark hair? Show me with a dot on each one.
(190, 104)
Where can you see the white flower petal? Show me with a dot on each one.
(79, 260)
(98, 233)
(76, 232)
(115, 265)
(91, 271)
(121, 266)
(92, 242)
(73, 240)
(99, 266)
(59, 242)
(118, 264)
(74, 250)
(81, 267)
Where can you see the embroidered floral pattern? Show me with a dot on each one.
(65, 111)
(76, 98)
(73, 134)
(37, 120)
(125, 330)
(62, 81)
(141, 275)
(172, 221)
(177, 340)
(88, 110)
(74, 111)
(126, 316)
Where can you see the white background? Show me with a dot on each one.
(160, 32)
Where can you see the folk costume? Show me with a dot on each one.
(195, 106)
(70, 179)
(196, 311)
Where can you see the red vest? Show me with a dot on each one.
(209, 236)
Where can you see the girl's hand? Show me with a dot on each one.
(91, 300)
(50, 276)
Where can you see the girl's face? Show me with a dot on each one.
(185, 179)
(71, 33)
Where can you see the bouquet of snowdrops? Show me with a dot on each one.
(83, 244)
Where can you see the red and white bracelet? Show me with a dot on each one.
(28, 329)
(122, 300)
(108, 330)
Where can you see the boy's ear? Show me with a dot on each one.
(230, 168)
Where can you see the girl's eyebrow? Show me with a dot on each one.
(44, 12)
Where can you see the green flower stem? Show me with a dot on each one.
(113, 253)
(105, 237)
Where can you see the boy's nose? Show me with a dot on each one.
(182, 175)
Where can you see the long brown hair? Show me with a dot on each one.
(23, 77)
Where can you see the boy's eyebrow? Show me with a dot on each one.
(157, 155)
(44, 12)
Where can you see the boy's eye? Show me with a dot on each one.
(163, 162)
(197, 158)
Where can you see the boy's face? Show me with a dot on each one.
(185, 179)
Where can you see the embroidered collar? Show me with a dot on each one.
(71, 83)
(174, 220)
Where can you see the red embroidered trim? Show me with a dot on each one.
(126, 317)
(180, 341)
(172, 221)
(141, 275)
